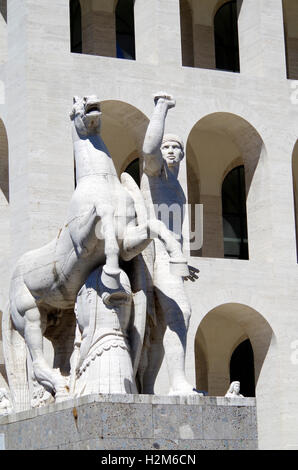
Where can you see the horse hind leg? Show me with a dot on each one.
(44, 374)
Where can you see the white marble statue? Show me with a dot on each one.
(5, 403)
(100, 229)
(103, 362)
(168, 320)
(234, 390)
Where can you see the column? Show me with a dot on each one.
(99, 27)
(157, 32)
(261, 38)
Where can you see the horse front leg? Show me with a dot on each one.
(107, 231)
(137, 238)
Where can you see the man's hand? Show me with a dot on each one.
(192, 274)
(163, 97)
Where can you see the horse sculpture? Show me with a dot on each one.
(100, 229)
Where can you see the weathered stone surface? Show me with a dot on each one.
(98, 423)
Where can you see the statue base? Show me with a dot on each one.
(133, 422)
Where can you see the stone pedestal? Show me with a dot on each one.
(132, 422)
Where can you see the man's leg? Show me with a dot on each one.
(152, 357)
(175, 310)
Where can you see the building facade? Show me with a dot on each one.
(232, 68)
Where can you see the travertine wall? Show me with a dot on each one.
(251, 110)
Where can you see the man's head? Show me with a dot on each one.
(172, 149)
(86, 115)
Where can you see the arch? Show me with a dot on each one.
(199, 32)
(224, 327)
(216, 144)
(290, 14)
(234, 214)
(226, 37)
(123, 131)
(102, 28)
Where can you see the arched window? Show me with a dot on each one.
(226, 38)
(242, 368)
(234, 214)
(133, 170)
(125, 30)
(75, 26)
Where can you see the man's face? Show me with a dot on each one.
(237, 387)
(172, 152)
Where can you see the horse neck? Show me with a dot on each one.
(92, 157)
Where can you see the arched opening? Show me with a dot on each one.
(242, 368)
(290, 11)
(209, 34)
(125, 30)
(226, 37)
(75, 26)
(234, 214)
(103, 28)
(218, 144)
(233, 342)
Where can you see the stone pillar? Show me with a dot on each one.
(186, 26)
(99, 27)
(261, 38)
(203, 34)
(204, 51)
(157, 32)
(38, 43)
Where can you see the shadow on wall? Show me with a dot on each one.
(123, 131)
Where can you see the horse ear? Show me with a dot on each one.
(75, 99)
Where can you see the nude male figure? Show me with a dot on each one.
(167, 331)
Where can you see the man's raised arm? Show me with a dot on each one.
(153, 160)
